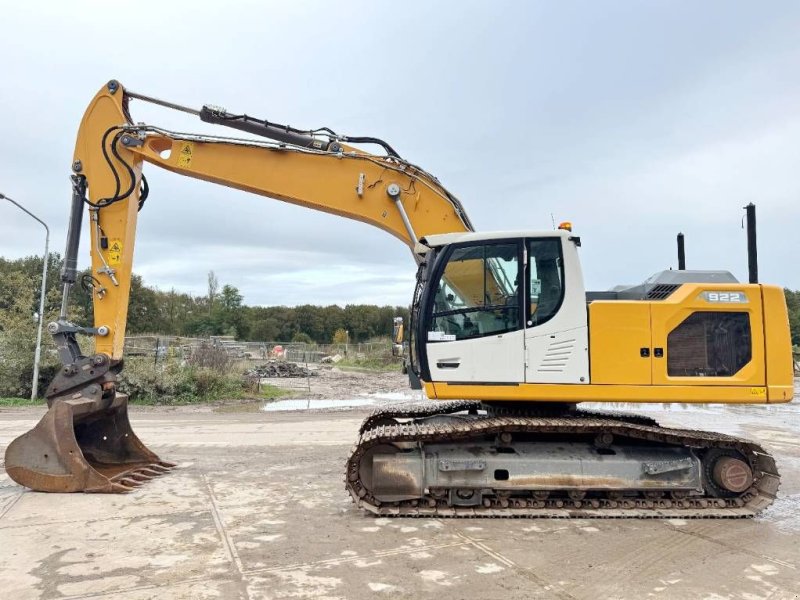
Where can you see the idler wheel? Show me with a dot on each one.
(727, 473)
(732, 474)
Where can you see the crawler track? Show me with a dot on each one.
(382, 428)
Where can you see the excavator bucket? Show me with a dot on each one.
(83, 444)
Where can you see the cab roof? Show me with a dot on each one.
(443, 239)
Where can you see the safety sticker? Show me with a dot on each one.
(758, 392)
(115, 252)
(440, 336)
(185, 155)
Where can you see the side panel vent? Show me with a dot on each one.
(662, 291)
(557, 356)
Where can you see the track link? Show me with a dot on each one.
(416, 411)
(760, 495)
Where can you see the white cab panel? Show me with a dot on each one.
(560, 357)
(491, 359)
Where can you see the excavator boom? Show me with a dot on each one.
(301, 168)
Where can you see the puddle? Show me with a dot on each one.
(398, 396)
(367, 400)
(772, 413)
(312, 404)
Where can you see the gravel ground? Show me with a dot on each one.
(332, 383)
(256, 510)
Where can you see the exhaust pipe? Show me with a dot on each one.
(752, 251)
(681, 254)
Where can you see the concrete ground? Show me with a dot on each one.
(257, 509)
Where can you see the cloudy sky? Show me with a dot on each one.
(634, 120)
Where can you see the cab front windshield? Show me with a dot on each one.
(477, 293)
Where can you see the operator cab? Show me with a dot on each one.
(502, 307)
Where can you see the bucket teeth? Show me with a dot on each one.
(120, 488)
(129, 481)
(160, 469)
(168, 465)
(150, 472)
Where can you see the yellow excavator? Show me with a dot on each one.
(503, 336)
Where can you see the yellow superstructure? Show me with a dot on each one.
(630, 354)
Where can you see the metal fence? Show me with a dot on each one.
(160, 347)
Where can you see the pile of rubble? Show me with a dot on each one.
(328, 360)
(276, 368)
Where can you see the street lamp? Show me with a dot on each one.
(38, 354)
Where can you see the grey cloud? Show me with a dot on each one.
(632, 120)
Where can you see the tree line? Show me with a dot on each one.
(221, 311)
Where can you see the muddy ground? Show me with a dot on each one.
(333, 383)
(257, 510)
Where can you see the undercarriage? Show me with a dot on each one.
(468, 459)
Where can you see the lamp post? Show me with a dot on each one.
(38, 354)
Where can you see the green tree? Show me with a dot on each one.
(144, 315)
(793, 305)
(301, 337)
(17, 332)
(230, 299)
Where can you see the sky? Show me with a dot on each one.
(633, 120)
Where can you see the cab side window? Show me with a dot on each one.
(477, 293)
(545, 279)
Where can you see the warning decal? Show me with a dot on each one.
(115, 252)
(185, 155)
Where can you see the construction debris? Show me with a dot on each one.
(275, 368)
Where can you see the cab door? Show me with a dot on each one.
(473, 325)
(556, 331)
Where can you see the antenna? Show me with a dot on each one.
(553, 219)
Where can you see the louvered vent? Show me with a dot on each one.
(662, 291)
(557, 356)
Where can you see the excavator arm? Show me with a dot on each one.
(85, 441)
(315, 169)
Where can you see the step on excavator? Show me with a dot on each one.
(506, 342)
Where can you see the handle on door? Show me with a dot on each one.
(448, 365)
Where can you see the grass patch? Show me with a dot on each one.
(253, 401)
(370, 364)
(151, 386)
(271, 392)
(20, 402)
(174, 384)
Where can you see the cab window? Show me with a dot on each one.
(545, 279)
(477, 293)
